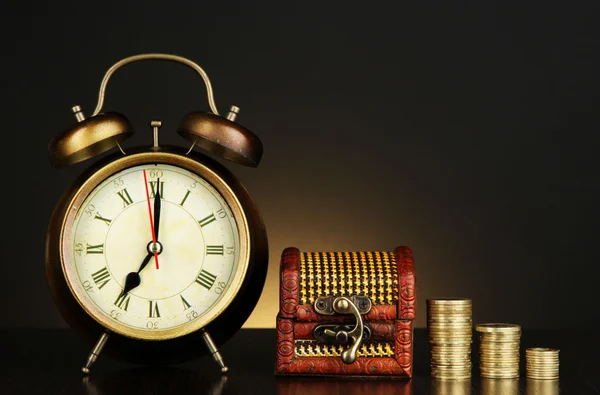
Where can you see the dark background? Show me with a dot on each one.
(467, 131)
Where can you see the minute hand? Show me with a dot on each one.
(157, 199)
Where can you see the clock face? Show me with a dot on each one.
(186, 277)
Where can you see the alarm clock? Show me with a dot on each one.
(156, 254)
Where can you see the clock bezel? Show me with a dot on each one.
(184, 347)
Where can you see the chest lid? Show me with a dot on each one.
(385, 278)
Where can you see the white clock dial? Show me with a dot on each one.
(198, 245)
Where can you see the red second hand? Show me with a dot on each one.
(150, 214)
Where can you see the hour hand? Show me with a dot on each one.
(133, 279)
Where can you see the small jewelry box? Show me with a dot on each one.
(346, 313)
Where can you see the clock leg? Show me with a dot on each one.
(95, 352)
(213, 350)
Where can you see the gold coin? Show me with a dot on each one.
(499, 368)
(452, 347)
(446, 354)
(450, 320)
(449, 301)
(482, 369)
(450, 334)
(541, 364)
(543, 377)
(500, 356)
(500, 376)
(498, 350)
(451, 340)
(544, 351)
(499, 372)
(450, 362)
(504, 339)
(499, 360)
(436, 330)
(450, 324)
(450, 353)
(436, 333)
(440, 370)
(456, 364)
(542, 370)
(498, 328)
(500, 340)
(499, 346)
(437, 357)
(451, 377)
(466, 331)
(449, 310)
(541, 357)
(483, 349)
(498, 336)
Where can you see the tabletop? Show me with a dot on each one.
(48, 361)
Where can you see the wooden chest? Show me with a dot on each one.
(346, 313)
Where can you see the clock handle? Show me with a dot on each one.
(156, 56)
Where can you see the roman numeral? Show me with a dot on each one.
(207, 220)
(214, 250)
(206, 279)
(153, 309)
(185, 197)
(185, 303)
(124, 195)
(101, 218)
(122, 301)
(101, 277)
(161, 188)
(97, 249)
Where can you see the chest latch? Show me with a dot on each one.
(343, 334)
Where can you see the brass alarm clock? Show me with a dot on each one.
(156, 254)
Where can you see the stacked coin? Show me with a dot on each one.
(541, 363)
(450, 331)
(499, 350)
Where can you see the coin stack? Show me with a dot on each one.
(541, 363)
(499, 350)
(450, 331)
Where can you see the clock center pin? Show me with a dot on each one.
(154, 248)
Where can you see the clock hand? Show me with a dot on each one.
(150, 215)
(157, 202)
(133, 278)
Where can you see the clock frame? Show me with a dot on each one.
(186, 344)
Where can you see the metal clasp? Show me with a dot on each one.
(343, 334)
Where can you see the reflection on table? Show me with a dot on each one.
(153, 381)
(450, 387)
(542, 387)
(320, 386)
